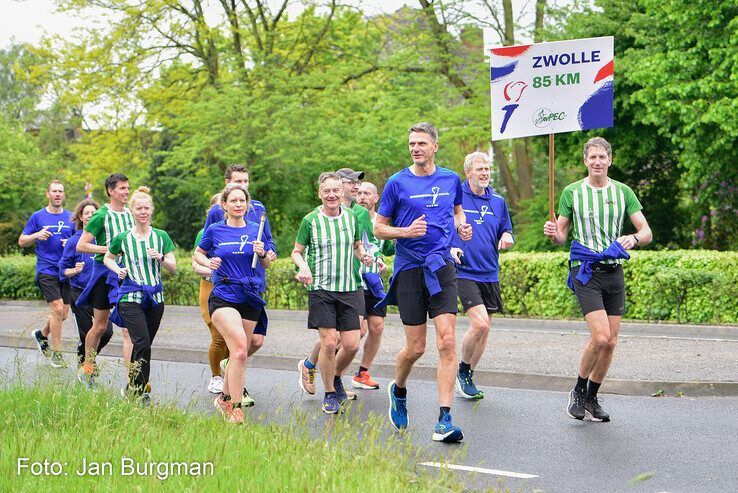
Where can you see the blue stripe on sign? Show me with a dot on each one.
(499, 72)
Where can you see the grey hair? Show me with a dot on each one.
(371, 186)
(597, 142)
(328, 175)
(475, 156)
(426, 128)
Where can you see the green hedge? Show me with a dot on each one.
(684, 286)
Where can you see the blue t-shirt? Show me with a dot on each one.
(216, 215)
(235, 247)
(49, 252)
(406, 197)
(71, 256)
(489, 218)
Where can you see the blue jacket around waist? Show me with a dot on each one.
(128, 287)
(408, 259)
(587, 257)
(251, 288)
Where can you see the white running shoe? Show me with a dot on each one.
(216, 385)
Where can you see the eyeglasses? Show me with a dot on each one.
(351, 182)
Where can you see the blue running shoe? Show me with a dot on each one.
(331, 404)
(397, 408)
(340, 391)
(466, 388)
(446, 431)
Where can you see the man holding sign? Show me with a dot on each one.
(597, 206)
(423, 203)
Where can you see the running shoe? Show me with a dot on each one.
(57, 360)
(307, 377)
(225, 407)
(145, 399)
(223, 364)
(331, 404)
(575, 409)
(446, 432)
(362, 380)
(236, 416)
(340, 391)
(466, 388)
(86, 377)
(351, 395)
(247, 401)
(216, 385)
(397, 408)
(593, 411)
(42, 343)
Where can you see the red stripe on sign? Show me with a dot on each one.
(510, 51)
(605, 71)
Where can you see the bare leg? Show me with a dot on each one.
(599, 337)
(328, 343)
(447, 364)
(415, 336)
(373, 340)
(599, 371)
(475, 340)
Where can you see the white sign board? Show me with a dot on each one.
(549, 88)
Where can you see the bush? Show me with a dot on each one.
(683, 286)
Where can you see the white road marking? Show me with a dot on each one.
(495, 472)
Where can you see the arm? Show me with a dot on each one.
(643, 235)
(109, 261)
(463, 228)
(557, 231)
(264, 259)
(199, 256)
(85, 245)
(169, 262)
(25, 241)
(360, 253)
(200, 269)
(303, 275)
(67, 264)
(384, 231)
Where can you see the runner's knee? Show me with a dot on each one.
(447, 343)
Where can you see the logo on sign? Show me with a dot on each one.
(512, 92)
(543, 117)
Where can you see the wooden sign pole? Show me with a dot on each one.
(551, 215)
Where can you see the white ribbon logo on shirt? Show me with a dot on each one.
(244, 240)
(59, 227)
(436, 191)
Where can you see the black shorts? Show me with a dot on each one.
(360, 303)
(604, 291)
(53, 289)
(473, 293)
(98, 296)
(333, 310)
(246, 311)
(415, 302)
(369, 301)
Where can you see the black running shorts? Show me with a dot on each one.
(53, 289)
(98, 297)
(369, 301)
(605, 291)
(246, 311)
(415, 302)
(473, 293)
(333, 310)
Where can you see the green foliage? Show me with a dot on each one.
(683, 286)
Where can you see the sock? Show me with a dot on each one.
(464, 367)
(336, 378)
(444, 410)
(42, 336)
(400, 392)
(226, 398)
(361, 368)
(593, 388)
(581, 385)
(236, 404)
(308, 364)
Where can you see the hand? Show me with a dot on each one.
(627, 241)
(417, 228)
(550, 229)
(78, 267)
(305, 277)
(154, 254)
(44, 234)
(457, 253)
(381, 265)
(122, 273)
(271, 255)
(505, 242)
(259, 248)
(465, 231)
(215, 263)
(367, 259)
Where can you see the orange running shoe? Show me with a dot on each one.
(237, 415)
(363, 380)
(225, 407)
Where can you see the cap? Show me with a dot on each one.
(349, 174)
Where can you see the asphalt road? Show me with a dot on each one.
(651, 445)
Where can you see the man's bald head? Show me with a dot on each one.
(367, 195)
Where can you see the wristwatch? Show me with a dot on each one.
(635, 238)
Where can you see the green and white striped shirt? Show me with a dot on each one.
(330, 244)
(141, 268)
(597, 214)
(105, 224)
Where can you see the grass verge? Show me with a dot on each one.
(73, 427)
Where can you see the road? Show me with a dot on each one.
(671, 444)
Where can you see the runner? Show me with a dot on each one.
(235, 303)
(423, 202)
(77, 267)
(331, 235)
(596, 206)
(48, 229)
(143, 252)
(479, 267)
(108, 222)
(236, 173)
(373, 324)
(217, 351)
(350, 180)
